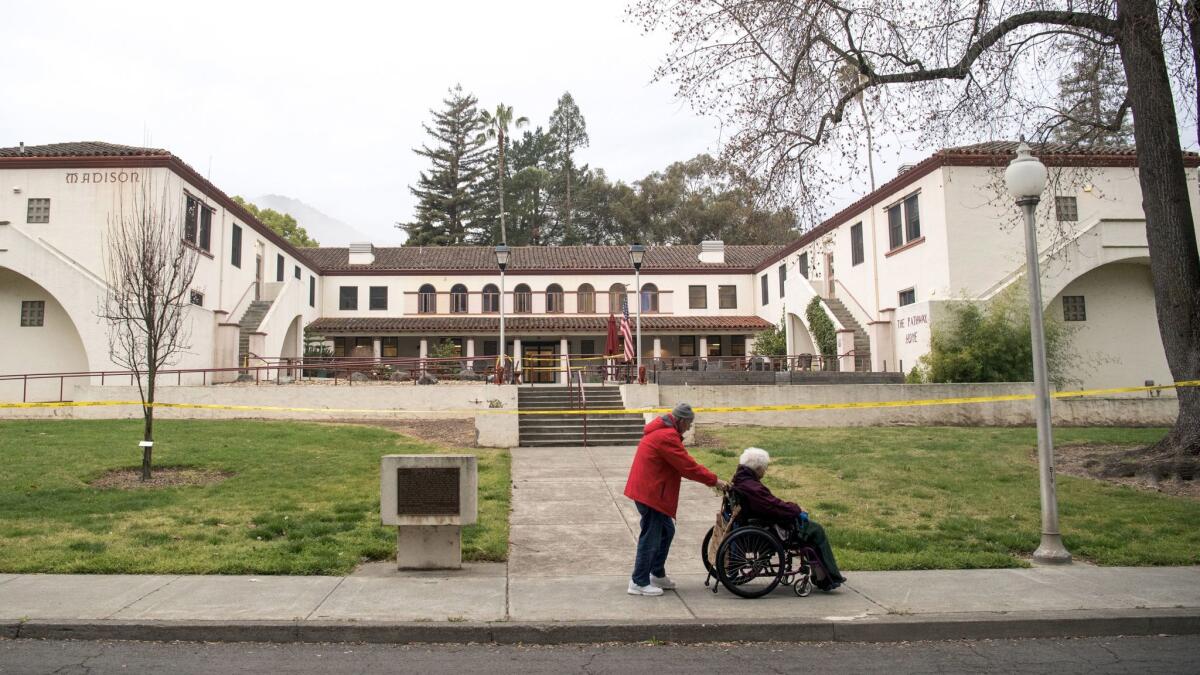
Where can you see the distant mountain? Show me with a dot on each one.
(327, 230)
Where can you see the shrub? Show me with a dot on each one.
(822, 328)
(772, 341)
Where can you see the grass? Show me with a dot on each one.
(304, 498)
(956, 498)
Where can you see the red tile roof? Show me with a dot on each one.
(538, 325)
(83, 149)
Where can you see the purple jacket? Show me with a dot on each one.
(758, 502)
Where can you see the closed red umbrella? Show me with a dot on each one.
(612, 345)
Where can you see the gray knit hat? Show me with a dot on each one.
(683, 411)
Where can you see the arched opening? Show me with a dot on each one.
(554, 299)
(585, 299)
(616, 293)
(458, 299)
(649, 298)
(291, 346)
(491, 298)
(522, 299)
(427, 299)
(43, 339)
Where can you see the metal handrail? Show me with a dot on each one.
(583, 401)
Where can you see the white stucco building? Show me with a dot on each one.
(939, 231)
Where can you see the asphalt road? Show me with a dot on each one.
(1090, 655)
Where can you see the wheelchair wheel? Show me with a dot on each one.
(750, 562)
(708, 567)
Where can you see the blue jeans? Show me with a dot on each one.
(654, 543)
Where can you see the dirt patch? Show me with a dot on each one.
(706, 438)
(166, 477)
(452, 433)
(1088, 461)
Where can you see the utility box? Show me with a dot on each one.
(428, 498)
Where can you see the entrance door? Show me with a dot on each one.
(539, 362)
(257, 275)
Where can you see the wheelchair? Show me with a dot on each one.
(756, 556)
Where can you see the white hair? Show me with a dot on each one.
(755, 458)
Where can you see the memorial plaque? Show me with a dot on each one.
(427, 492)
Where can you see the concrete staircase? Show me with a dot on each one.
(862, 343)
(248, 324)
(552, 430)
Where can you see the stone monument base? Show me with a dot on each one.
(429, 547)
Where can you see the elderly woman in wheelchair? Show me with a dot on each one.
(760, 541)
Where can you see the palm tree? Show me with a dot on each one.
(497, 130)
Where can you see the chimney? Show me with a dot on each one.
(22, 147)
(904, 168)
(712, 252)
(362, 253)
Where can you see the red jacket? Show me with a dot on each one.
(659, 464)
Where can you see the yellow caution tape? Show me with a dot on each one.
(856, 405)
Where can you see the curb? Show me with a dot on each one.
(888, 628)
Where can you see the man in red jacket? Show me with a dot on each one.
(659, 464)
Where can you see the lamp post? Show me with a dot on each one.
(636, 253)
(1026, 179)
(502, 253)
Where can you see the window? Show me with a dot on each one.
(312, 291)
(616, 293)
(554, 299)
(895, 228)
(908, 297)
(197, 224)
(33, 313)
(737, 345)
(348, 298)
(587, 347)
(782, 279)
(727, 297)
(196, 298)
(522, 299)
(698, 297)
(585, 301)
(1066, 208)
(714, 345)
(491, 298)
(766, 297)
(904, 222)
(649, 298)
(377, 297)
(297, 271)
(427, 299)
(279, 264)
(1074, 308)
(912, 219)
(802, 263)
(37, 210)
(389, 347)
(856, 245)
(339, 346)
(491, 348)
(458, 299)
(363, 346)
(235, 253)
(687, 345)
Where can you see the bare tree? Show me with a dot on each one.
(149, 268)
(773, 70)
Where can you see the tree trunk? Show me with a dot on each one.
(148, 432)
(567, 233)
(500, 181)
(1192, 12)
(1170, 231)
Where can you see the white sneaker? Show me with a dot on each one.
(663, 582)
(648, 589)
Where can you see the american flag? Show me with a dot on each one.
(626, 333)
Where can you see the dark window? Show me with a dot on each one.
(427, 299)
(766, 286)
(698, 297)
(856, 244)
(339, 346)
(895, 227)
(389, 347)
(649, 298)
(378, 297)
(554, 299)
(522, 299)
(727, 297)
(190, 215)
(687, 345)
(363, 346)
(297, 271)
(803, 264)
(197, 224)
(33, 313)
(312, 291)
(737, 345)
(490, 347)
(235, 253)
(1066, 208)
(585, 299)
(37, 210)
(912, 219)
(714, 345)
(279, 265)
(1074, 308)
(458, 299)
(587, 347)
(348, 297)
(616, 293)
(491, 298)
(782, 279)
(197, 298)
(908, 297)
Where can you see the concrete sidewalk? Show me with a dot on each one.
(572, 543)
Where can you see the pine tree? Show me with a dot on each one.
(449, 195)
(1090, 96)
(569, 131)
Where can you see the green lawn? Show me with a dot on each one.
(924, 498)
(304, 498)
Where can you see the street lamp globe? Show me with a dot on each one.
(636, 253)
(502, 253)
(1026, 175)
